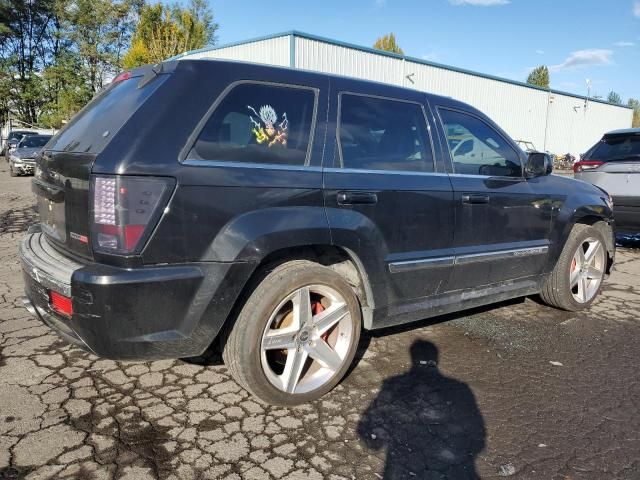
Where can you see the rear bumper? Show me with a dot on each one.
(146, 313)
(626, 211)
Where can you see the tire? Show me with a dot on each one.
(262, 360)
(560, 289)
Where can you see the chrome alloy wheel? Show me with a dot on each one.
(306, 340)
(586, 270)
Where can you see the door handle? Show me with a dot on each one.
(475, 198)
(357, 198)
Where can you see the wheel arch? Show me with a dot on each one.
(341, 260)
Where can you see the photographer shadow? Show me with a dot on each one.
(428, 424)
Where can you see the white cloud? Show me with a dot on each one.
(480, 3)
(594, 56)
(624, 44)
(540, 52)
(636, 9)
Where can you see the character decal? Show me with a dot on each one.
(267, 129)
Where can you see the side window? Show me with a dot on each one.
(258, 123)
(379, 134)
(476, 148)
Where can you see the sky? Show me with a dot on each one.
(578, 40)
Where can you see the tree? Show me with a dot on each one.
(27, 45)
(635, 104)
(100, 31)
(539, 76)
(614, 97)
(388, 44)
(164, 31)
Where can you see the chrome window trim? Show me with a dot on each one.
(391, 99)
(253, 165)
(193, 138)
(383, 172)
(448, 261)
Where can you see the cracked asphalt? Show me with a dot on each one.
(515, 390)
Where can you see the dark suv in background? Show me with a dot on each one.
(274, 213)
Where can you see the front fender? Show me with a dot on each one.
(579, 209)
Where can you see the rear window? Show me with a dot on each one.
(259, 123)
(618, 147)
(96, 124)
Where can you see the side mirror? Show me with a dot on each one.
(538, 165)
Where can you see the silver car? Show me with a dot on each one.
(22, 159)
(613, 164)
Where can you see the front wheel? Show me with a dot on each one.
(576, 279)
(296, 335)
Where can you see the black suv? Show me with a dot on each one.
(274, 213)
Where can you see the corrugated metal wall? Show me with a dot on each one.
(553, 121)
(271, 51)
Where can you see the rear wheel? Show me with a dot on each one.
(576, 279)
(296, 335)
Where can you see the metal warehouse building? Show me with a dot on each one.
(556, 121)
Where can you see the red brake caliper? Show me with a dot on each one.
(573, 264)
(316, 308)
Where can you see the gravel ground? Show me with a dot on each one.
(516, 390)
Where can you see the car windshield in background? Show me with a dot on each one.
(617, 148)
(16, 135)
(35, 141)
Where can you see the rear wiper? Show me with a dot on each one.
(151, 74)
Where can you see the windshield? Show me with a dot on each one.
(616, 148)
(34, 141)
(17, 135)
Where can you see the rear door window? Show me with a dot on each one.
(259, 123)
(618, 147)
(476, 148)
(383, 134)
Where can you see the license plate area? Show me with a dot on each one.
(52, 211)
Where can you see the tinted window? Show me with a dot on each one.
(17, 135)
(616, 148)
(380, 134)
(33, 141)
(259, 124)
(476, 148)
(98, 122)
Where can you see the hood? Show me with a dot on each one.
(30, 152)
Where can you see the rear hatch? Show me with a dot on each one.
(62, 174)
(614, 165)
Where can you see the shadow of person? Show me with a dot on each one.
(428, 424)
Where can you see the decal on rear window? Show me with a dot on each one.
(267, 129)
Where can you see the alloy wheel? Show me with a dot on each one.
(586, 270)
(307, 339)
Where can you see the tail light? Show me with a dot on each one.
(60, 304)
(125, 209)
(583, 165)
